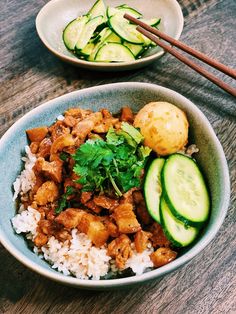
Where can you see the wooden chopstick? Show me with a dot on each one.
(201, 56)
(151, 33)
(190, 63)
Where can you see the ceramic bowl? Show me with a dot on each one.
(56, 14)
(112, 96)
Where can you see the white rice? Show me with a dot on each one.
(60, 117)
(83, 260)
(77, 257)
(26, 180)
(192, 149)
(27, 222)
(138, 262)
(189, 150)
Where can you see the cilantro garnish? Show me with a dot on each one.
(116, 162)
(62, 204)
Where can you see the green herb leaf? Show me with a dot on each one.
(132, 131)
(113, 138)
(128, 139)
(92, 153)
(63, 156)
(144, 151)
(62, 203)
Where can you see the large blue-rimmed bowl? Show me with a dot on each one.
(112, 96)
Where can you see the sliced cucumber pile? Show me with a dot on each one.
(177, 197)
(94, 35)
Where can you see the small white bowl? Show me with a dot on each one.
(56, 14)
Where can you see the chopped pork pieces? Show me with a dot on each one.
(107, 219)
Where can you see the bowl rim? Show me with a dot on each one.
(128, 281)
(101, 65)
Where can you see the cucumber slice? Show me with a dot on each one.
(125, 30)
(185, 189)
(135, 49)
(111, 11)
(114, 52)
(72, 32)
(123, 5)
(152, 22)
(146, 41)
(121, 10)
(103, 35)
(88, 31)
(153, 188)
(97, 9)
(175, 230)
(105, 32)
(130, 11)
(113, 38)
(100, 28)
(87, 50)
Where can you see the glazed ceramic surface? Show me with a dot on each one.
(56, 14)
(112, 96)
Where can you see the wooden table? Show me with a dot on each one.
(30, 75)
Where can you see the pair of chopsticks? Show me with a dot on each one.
(152, 34)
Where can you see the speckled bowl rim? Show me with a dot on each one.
(128, 281)
(102, 65)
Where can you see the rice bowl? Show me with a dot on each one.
(163, 94)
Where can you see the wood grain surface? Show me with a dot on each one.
(30, 75)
